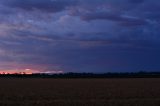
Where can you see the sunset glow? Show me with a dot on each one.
(25, 71)
(29, 71)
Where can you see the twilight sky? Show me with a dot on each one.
(79, 35)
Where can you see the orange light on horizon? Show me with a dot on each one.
(25, 71)
(28, 71)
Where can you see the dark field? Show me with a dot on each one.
(80, 92)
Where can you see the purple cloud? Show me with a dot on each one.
(80, 35)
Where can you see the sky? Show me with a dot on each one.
(79, 35)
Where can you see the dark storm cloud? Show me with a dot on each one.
(44, 5)
(136, 1)
(123, 20)
(80, 35)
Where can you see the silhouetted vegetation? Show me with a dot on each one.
(140, 74)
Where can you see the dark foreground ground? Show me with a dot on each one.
(79, 92)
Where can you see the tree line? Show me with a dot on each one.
(140, 74)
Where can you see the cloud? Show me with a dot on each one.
(81, 35)
(123, 20)
(43, 5)
(136, 1)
